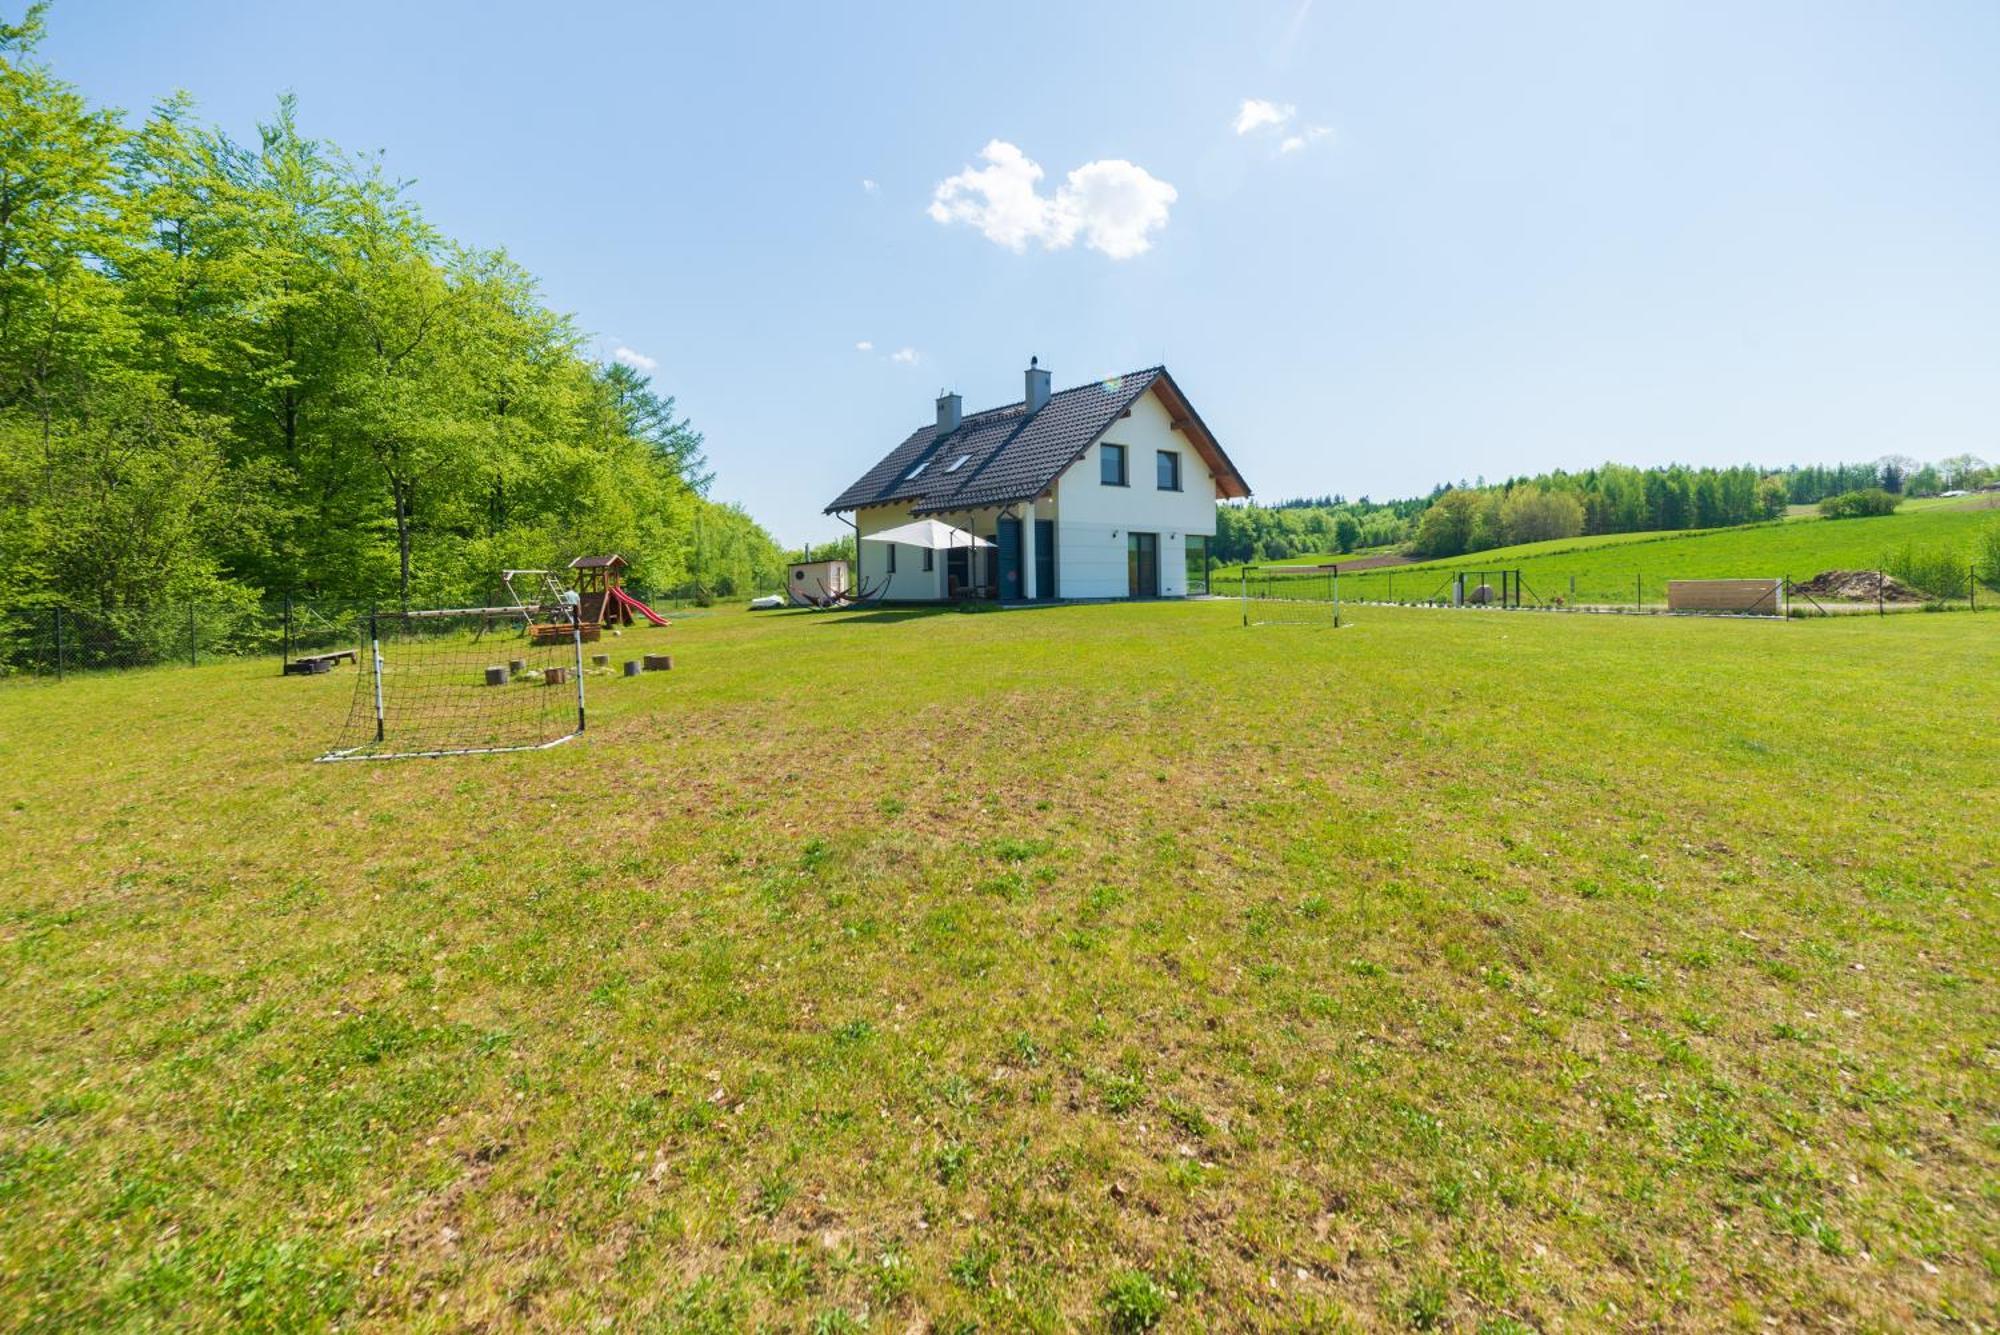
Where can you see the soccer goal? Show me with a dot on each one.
(465, 681)
(1291, 595)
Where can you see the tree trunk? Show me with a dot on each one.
(402, 534)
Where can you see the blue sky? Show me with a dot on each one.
(1452, 241)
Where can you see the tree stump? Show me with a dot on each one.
(633, 667)
(496, 676)
(517, 665)
(659, 662)
(554, 676)
(600, 660)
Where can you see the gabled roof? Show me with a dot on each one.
(1004, 454)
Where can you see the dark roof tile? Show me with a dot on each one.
(1009, 455)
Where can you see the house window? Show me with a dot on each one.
(1111, 463)
(958, 463)
(1169, 470)
(892, 558)
(917, 470)
(929, 557)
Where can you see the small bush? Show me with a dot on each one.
(1860, 504)
(1937, 572)
(1134, 1302)
(1986, 554)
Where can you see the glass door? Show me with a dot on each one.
(1142, 564)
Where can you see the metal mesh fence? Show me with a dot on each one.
(52, 643)
(1277, 591)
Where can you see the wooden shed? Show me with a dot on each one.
(815, 583)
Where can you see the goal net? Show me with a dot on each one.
(464, 681)
(1291, 595)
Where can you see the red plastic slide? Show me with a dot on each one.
(619, 597)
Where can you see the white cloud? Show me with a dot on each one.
(1118, 205)
(1113, 204)
(638, 361)
(907, 356)
(864, 346)
(1000, 199)
(868, 184)
(1256, 113)
(1293, 143)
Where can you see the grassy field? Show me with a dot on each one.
(1608, 567)
(1106, 966)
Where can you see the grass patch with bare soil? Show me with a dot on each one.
(1108, 966)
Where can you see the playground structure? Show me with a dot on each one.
(598, 599)
(600, 588)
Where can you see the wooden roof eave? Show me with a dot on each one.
(1229, 483)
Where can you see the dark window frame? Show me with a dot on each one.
(892, 558)
(1104, 458)
(1160, 457)
(930, 558)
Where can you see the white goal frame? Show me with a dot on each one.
(377, 666)
(1300, 611)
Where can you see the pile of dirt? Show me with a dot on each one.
(1859, 584)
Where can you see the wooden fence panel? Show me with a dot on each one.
(1725, 595)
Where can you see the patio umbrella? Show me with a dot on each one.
(931, 534)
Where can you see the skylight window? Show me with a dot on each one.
(918, 469)
(958, 463)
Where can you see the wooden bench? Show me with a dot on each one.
(314, 664)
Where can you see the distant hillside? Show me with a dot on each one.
(1608, 568)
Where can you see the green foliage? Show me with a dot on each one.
(1532, 514)
(229, 368)
(1939, 571)
(1450, 526)
(1865, 503)
(1986, 554)
(1298, 528)
(1134, 1302)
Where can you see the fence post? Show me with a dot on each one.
(285, 654)
(59, 643)
(375, 655)
(191, 640)
(1879, 610)
(1638, 592)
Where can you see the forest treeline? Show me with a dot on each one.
(1614, 498)
(232, 370)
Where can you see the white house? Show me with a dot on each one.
(1107, 490)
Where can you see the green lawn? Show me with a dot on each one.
(1613, 567)
(1087, 965)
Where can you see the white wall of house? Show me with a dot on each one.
(1091, 562)
(910, 582)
